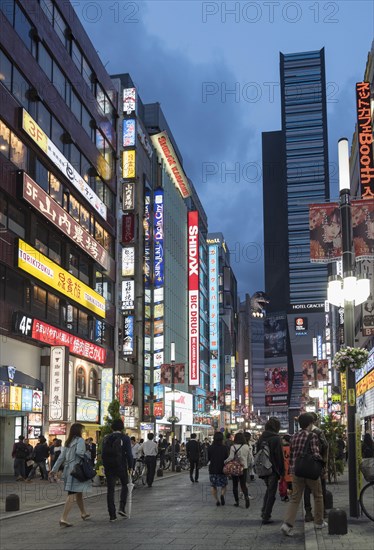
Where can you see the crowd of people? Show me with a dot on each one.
(273, 457)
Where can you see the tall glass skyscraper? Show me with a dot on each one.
(304, 126)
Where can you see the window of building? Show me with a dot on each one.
(18, 152)
(59, 25)
(55, 246)
(47, 7)
(86, 121)
(56, 134)
(53, 309)
(81, 381)
(83, 325)
(16, 221)
(55, 188)
(59, 80)
(5, 71)
(41, 175)
(43, 118)
(8, 10)
(45, 61)
(41, 239)
(92, 386)
(19, 88)
(74, 264)
(74, 208)
(84, 274)
(23, 28)
(3, 212)
(87, 73)
(4, 139)
(39, 301)
(85, 219)
(76, 55)
(14, 288)
(75, 105)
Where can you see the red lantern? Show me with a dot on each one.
(126, 394)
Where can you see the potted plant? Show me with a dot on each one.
(333, 431)
(353, 358)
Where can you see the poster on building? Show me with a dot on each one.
(368, 317)
(165, 373)
(363, 229)
(325, 232)
(275, 335)
(276, 385)
(365, 139)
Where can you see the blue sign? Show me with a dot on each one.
(128, 132)
(128, 335)
(27, 399)
(158, 236)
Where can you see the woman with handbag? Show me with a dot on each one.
(71, 455)
(240, 451)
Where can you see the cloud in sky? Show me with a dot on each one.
(189, 56)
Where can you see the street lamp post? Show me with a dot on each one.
(348, 292)
(172, 361)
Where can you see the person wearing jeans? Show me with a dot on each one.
(298, 442)
(271, 437)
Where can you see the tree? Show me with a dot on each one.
(105, 429)
(333, 431)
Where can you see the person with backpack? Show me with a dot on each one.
(116, 454)
(269, 465)
(193, 454)
(240, 450)
(20, 453)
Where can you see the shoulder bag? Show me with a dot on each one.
(234, 467)
(306, 465)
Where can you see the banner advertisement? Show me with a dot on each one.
(363, 228)
(106, 394)
(213, 273)
(179, 369)
(54, 154)
(58, 364)
(147, 238)
(50, 273)
(276, 386)
(315, 370)
(325, 232)
(368, 317)
(193, 298)
(54, 213)
(158, 237)
(275, 335)
(365, 139)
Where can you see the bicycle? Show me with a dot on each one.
(139, 476)
(367, 500)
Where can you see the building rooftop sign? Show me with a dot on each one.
(165, 150)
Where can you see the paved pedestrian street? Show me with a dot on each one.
(173, 513)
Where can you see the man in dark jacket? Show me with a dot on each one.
(20, 453)
(117, 460)
(271, 437)
(193, 454)
(39, 456)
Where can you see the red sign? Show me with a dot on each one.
(193, 298)
(56, 337)
(158, 409)
(365, 139)
(128, 228)
(43, 203)
(126, 394)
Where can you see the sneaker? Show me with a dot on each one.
(113, 518)
(308, 516)
(287, 530)
(123, 513)
(320, 525)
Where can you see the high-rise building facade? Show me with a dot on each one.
(295, 168)
(58, 224)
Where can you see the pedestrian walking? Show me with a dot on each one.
(39, 456)
(270, 440)
(240, 450)
(149, 449)
(217, 454)
(117, 459)
(20, 453)
(72, 454)
(324, 452)
(298, 442)
(367, 446)
(135, 449)
(193, 451)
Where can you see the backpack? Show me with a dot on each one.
(234, 467)
(262, 463)
(111, 452)
(22, 450)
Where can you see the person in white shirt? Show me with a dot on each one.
(135, 448)
(150, 450)
(241, 450)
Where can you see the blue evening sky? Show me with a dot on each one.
(190, 55)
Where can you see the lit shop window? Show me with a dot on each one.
(92, 387)
(81, 381)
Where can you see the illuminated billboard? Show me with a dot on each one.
(165, 149)
(213, 273)
(193, 298)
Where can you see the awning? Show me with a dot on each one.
(20, 378)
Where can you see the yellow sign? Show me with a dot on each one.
(128, 164)
(351, 397)
(343, 384)
(34, 131)
(15, 398)
(336, 397)
(365, 384)
(41, 267)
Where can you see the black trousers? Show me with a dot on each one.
(307, 504)
(151, 469)
(269, 498)
(194, 465)
(111, 483)
(243, 485)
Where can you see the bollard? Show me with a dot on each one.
(329, 500)
(160, 472)
(337, 521)
(12, 503)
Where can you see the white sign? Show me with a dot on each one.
(183, 407)
(56, 383)
(129, 100)
(128, 261)
(128, 294)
